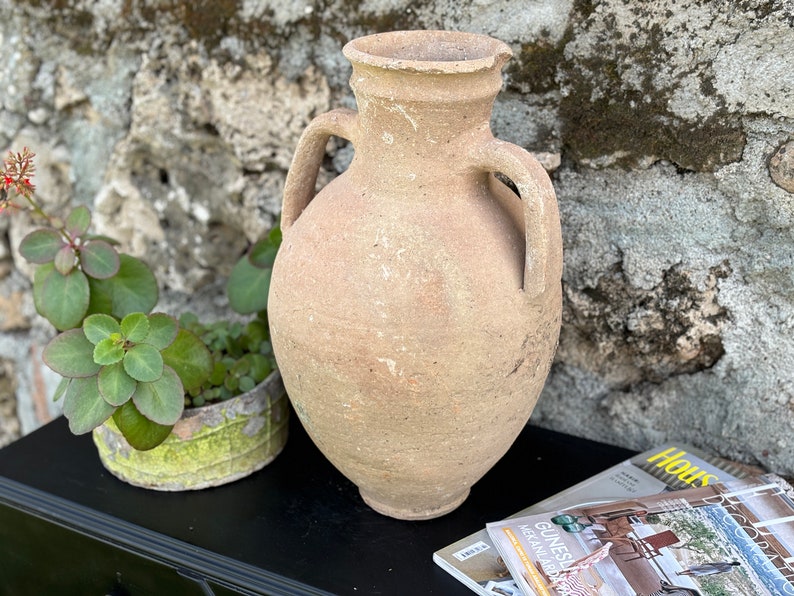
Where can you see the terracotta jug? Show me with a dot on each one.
(415, 301)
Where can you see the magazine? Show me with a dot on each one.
(730, 537)
(474, 561)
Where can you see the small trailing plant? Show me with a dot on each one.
(242, 357)
(118, 359)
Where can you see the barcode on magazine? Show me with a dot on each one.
(472, 550)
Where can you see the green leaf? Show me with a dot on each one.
(99, 327)
(144, 363)
(256, 332)
(248, 287)
(162, 330)
(115, 385)
(190, 358)
(260, 367)
(108, 239)
(78, 221)
(246, 384)
(135, 327)
(39, 277)
(231, 383)
(109, 351)
(132, 289)
(99, 259)
(61, 388)
(218, 374)
(61, 299)
(41, 246)
(84, 407)
(70, 354)
(161, 401)
(241, 367)
(65, 260)
(141, 433)
(263, 254)
(188, 320)
(99, 299)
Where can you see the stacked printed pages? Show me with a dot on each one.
(640, 527)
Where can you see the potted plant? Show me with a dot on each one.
(173, 404)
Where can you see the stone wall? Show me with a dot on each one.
(673, 122)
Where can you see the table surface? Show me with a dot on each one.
(295, 527)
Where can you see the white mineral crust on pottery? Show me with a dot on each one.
(415, 302)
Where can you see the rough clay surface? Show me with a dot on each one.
(673, 123)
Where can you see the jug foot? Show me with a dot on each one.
(407, 512)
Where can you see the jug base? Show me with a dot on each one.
(406, 512)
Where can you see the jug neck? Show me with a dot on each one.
(440, 104)
(423, 95)
(445, 71)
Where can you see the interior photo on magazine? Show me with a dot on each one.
(474, 561)
(732, 537)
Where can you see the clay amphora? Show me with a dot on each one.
(415, 301)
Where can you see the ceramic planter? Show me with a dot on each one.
(415, 302)
(209, 446)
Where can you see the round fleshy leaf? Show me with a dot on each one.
(61, 388)
(39, 277)
(248, 287)
(99, 259)
(161, 401)
(263, 254)
(115, 385)
(256, 332)
(260, 367)
(101, 326)
(218, 374)
(100, 300)
(144, 363)
(108, 239)
(78, 221)
(109, 351)
(232, 384)
(162, 330)
(246, 384)
(70, 354)
(84, 407)
(133, 288)
(135, 327)
(141, 433)
(62, 299)
(190, 358)
(41, 246)
(65, 260)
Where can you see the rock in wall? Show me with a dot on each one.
(668, 128)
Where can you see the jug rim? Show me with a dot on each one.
(429, 51)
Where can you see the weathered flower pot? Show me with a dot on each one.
(209, 446)
(415, 302)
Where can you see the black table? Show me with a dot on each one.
(296, 527)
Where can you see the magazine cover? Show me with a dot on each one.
(734, 537)
(475, 562)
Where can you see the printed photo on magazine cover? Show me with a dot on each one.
(729, 538)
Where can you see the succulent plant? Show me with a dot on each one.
(115, 358)
(136, 370)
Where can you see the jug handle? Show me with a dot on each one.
(302, 176)
(543, 261)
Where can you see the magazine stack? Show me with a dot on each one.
(629, 517)
(731, 537)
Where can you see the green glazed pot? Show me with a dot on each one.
(209, 446)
